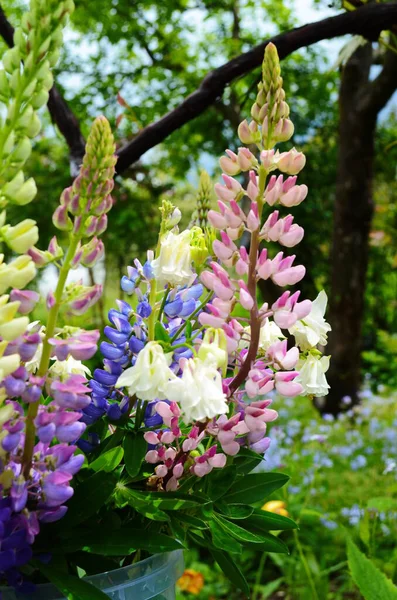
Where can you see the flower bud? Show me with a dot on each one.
(21, 237)
(229, 164)
(27, 300)
(14, 328)
(61, 219)
(291, 162)
(23, 271)
(249, 134)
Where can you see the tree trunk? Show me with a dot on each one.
(359, 104)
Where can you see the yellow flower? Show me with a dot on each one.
(276, 506)
(191, 582)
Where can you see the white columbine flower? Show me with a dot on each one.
(61, 369)
(312, 374)
(173, 265)
(198, 392)
(269, 334)
(313, 329)
(149, 376)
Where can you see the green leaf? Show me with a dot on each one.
(231, 570)
(255, 487)
(108, 461)
(270, 588)
(135, 448)
(89, 497)
(266, 521)
(191, 520)
(234, 511)
(222, 539)
(137, 501)
(70, 586)
(169, 500)
(122, 542)
(160, 333)
(267, 541)
(219, 481)
(247, 460)
(372, 583)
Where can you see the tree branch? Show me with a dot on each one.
(379, 91)
(61, 113)
(367, 21)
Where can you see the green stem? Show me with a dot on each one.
(305, 565)
(46, 353)
(258, 577)
(162, 305)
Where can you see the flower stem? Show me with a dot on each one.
(255, 322)
(258, 577)
(45, 357)
(305, 565)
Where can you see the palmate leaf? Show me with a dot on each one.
(70, 586)
(254, 487)
(373, 584)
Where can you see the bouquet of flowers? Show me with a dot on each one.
(158, 449)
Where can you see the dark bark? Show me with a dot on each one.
(367, 21)
(359, 104)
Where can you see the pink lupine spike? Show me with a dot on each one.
(288, 220)
(223, 308)
(302, 309)
(246, 300)
(225, 293)
(208, 279)
(262, 257)
(151, 437)
(216, 219)
(252, 188)
(222, 206)
(223, 192)
(234, 234)
(292, 237)
(235, 208)
(222, 251)
(289, 276)
(241, 267)
(207, 320)
(289, 183)
(234, 221)
(246, 159)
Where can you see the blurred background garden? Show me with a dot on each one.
(136, 60)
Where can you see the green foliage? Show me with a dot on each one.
(332, 494)
(73, 587)
(372, 582)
